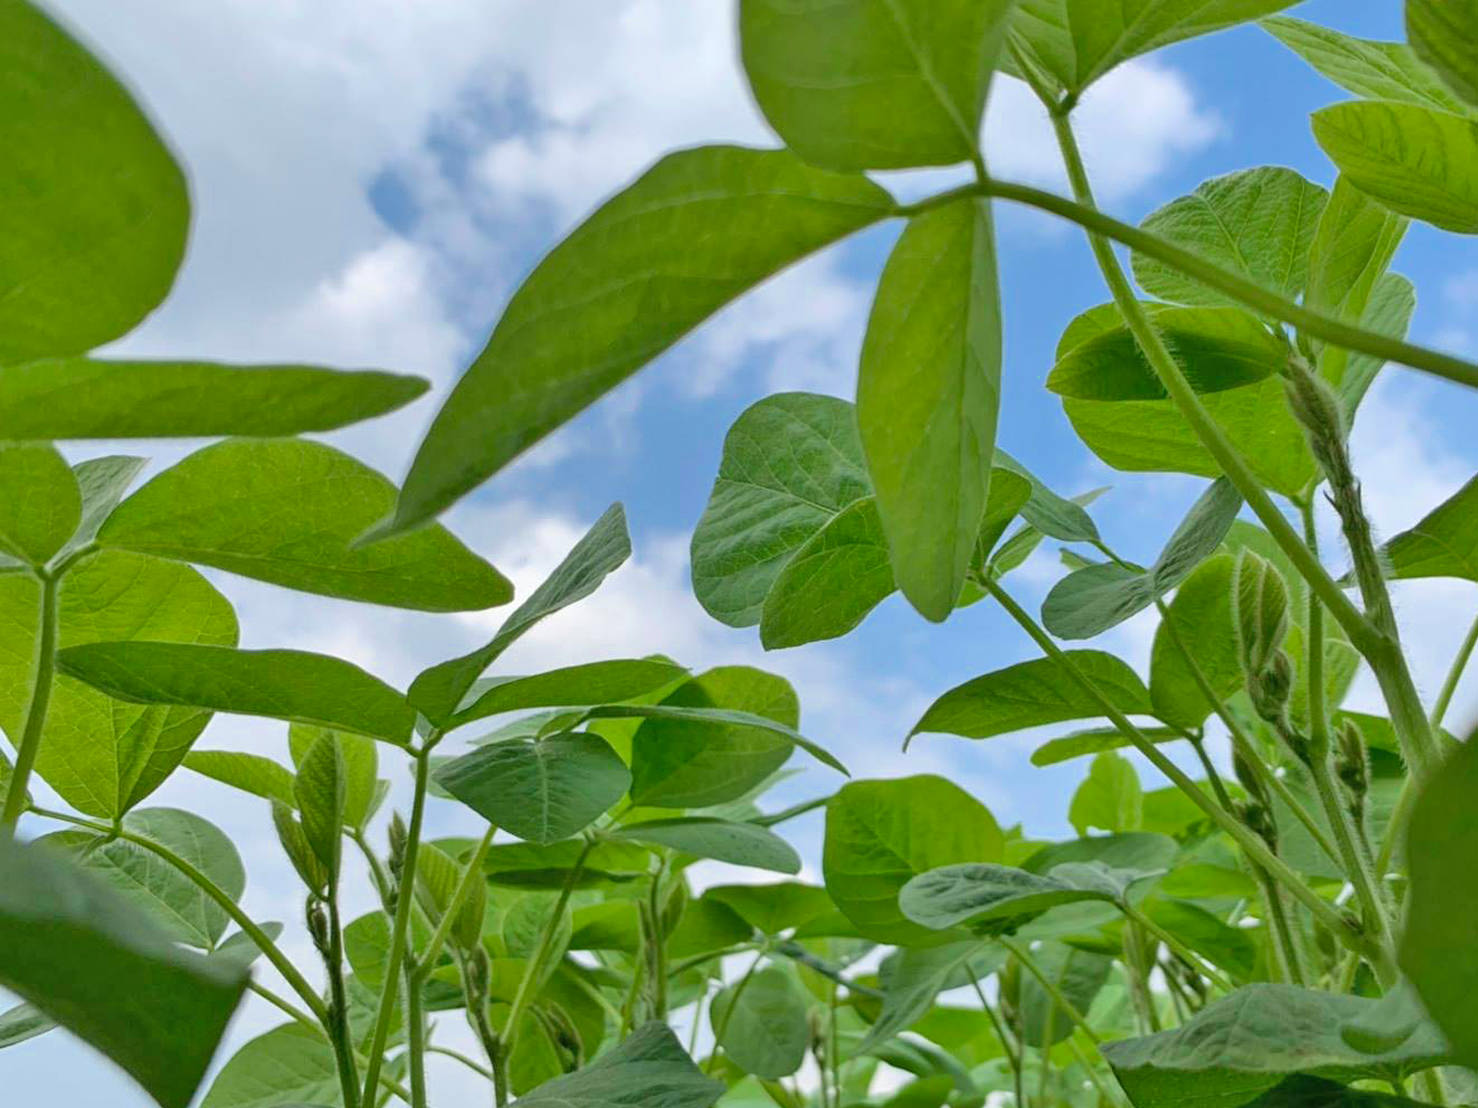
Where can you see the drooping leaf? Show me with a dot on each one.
(90, 961)
(40, 503)
(764, 1025)
(540, 790)
(1369, 68)
(1443, 544)
(1092, 600)
(1096, 740)
(1257, 223)
(649, 1069)
(1110, 797)
(575, 686)
(873, 84)
(281, 684)
(637, 275)
(251, 773)
(84, 398)
(289, 1065)
(881, 834)
(93, 208)
(439, 690)
(1444, 34)
(1033, 693)
(1415, 160)
(288, 511)
(928, 394)
(732, 841)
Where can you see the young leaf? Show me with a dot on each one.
(1444, 34)
(438, 691)
(299, 851)
(24, 1021)
(102, 482)
(1078, 975)
(540, 790)
(93, 208)
(1052, 515)
(1260, 605)
(1202, 623)
(881, 834)
(764, 1026)
(928, 394)
(320, 792)
(251, 773)
(288, 1065)
(649, 1069)
(40, 503)
(1443, 544)
(1110, 797)
(438, 876)
(739, 844)
(1388, 312)
(571, 687)
(724, 716)
(637, 275)
(1033, 693)
(1416, 161)
(1231, 948)
(913, 978)
(1352, 246)
(873, 84)
(288, 511)
(90, 961)
(1371, 70)
(361, 767)
(279, 684)
(1257, 223)
(772, 909)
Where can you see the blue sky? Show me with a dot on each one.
(371, 178)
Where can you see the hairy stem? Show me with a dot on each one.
(44, 669)
(1178, 948)
(1285, 944)
(1454, 676)
(341, 1036)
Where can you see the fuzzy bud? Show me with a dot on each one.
(398, 836)
(1318, 409)
(1248, 777)
(1259, 820)
(1351, 761)
(1270, 688)
(317, 919)
(479, 973)
(1260, 606)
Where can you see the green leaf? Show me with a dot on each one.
(1315, 1092)
(288, 511)
(101, 756)
(1069, 44)
(1095, 741)
(1352, 246)
(928, 394)
(1078, 975)
(93, 208)
(1260, 607)
(1444, 34)
(1443, 898)
(774, 908)
(1248, 1042)
(1218, 348)
(1370, 69)
(84, 398)
(1033, 693)
(1053, 515)
(649, 1069)
(882, 834)
(1090, 601)
(240, 949)
(571, 687)
(764, 1025)
(540, 790)
(280, 684)
(1388, 312)
(724, 716)
(873, 84)
(102, 482)
(40, 503)
(299, 851)
(980, 893)
(1231, 948)
(912, 979)
(24, 1021)
(251, 773)
(288, 1065)
(1443, 544)
(90, 961)
(1110, 797)
(1257, 223)
(438, 877)
(738, 843)
(637, 275)
(438, 691)
(1416, 161)
(320, 793)
(361, 767)
(1202, 623)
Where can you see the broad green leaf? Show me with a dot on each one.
(1078, 975)
(1110, 797)
(1248, 1042)
(1090, 601)
(438, 877)
(361, 766)
(1415, 160)
(1218, 348)
(764, 1024)
(882, 834)
(571, 687)
(251, 773)
(724, 716)
(102, 482)
(832, 582)
(981, 893)
(1069, 44)
(93, 208)
(40, 502)
(1053, 515)
(281, 684)
(438, 691)
(89, 960)
(1199, 623)
(24, 1021)
(649, 1069)
(690, 763)
(1388, 312)
(739, 844)
(928, 394)
(1352, 246)
(774, 908)
(1436, 950)
(791, 463)
(532, 865)
(289, 1065)
(647, 267)
(1231, 948)
(1257, 223)
(1444, 543)
(873, 84)
(912, 979)
(320, 792)
(101, 756)
(1444, 34)
(1096, 740)
(1133, 850)
(540, 790)
(83, 398)
(288, 511)
(1033, 693)
(1371, 69)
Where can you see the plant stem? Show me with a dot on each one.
(1139, 979)
(340, 1034)
(44, 668)
(1181, 951)
(792, 812)
(1011, 1048)
(656, 938)
(415, 1035)
(377, 871)
(534, 967)
(798, 953)
(1454, 676)
(1284, 943)
(1069, 1009)
(481, 1070)
(470, 877)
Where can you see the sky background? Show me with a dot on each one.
(372, 178)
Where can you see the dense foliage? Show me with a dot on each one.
(1298, 931)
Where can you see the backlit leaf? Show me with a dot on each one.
(1371, 69)
(1444, 543)
(288, 1065)
(1201, 616)
(1444, 34)
(571, 687)
(1110, 797)
(251, 773)
(40, 503)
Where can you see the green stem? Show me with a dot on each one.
(656, 938)
(293, 1012)
(471, 1063)
(341, 1036)
(377, 871)
(792, 812)
(1067, 1006)
(44, 668)
(415, 1035)
(1011, 1048)
(797, 953)
(534, 968)
(1181, 951)
(1454, 675)
(1139, 979)
(469, 880)
(1284, 944)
